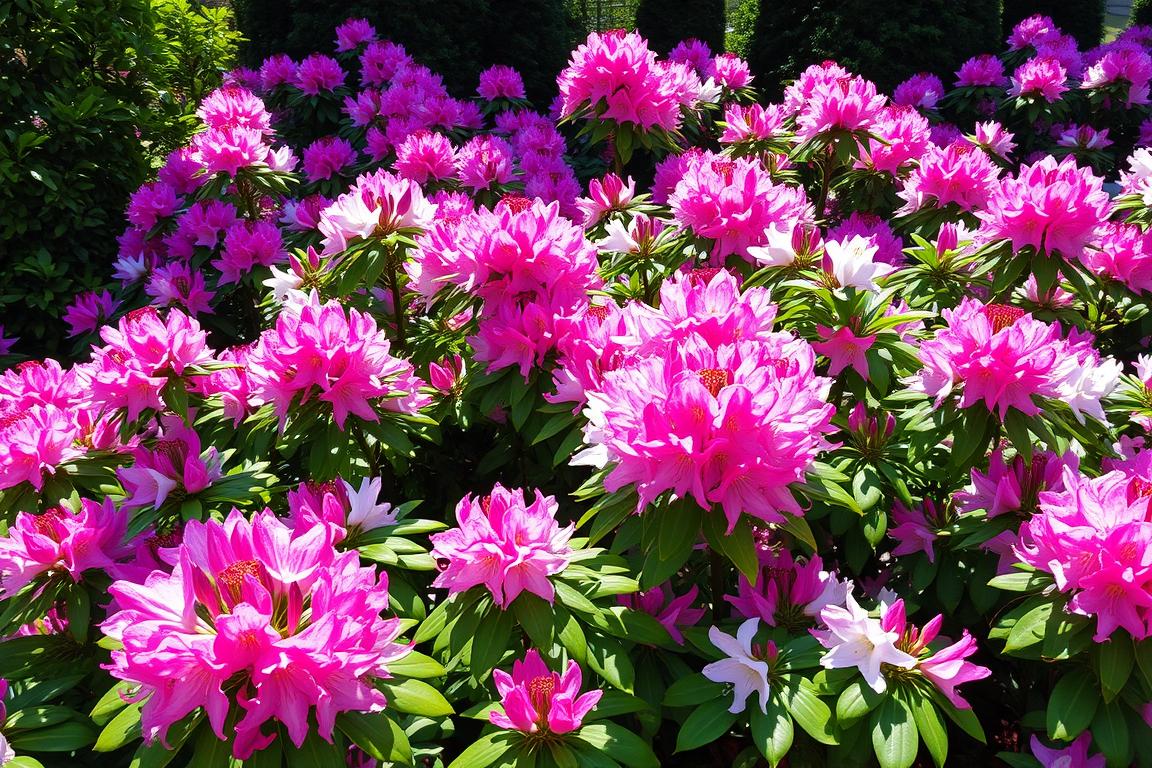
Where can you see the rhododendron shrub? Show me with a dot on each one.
(424, 430)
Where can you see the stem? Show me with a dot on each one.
(397, 307)
(825, 183)
(716, 580)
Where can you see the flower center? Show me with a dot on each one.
(598, 311)
(45, 524)
(516, 203)
(714, 379)
(232, 577)
(1002, 316)
(540, 690)
(704, 275)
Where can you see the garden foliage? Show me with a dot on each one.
(399, 444)
(93, 92)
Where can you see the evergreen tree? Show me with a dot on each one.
(924, 36)
(666, 22)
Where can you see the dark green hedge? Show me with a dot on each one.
(666, 22)
(456, 38)
(917, 35)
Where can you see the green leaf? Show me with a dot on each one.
(799, 528)
(692, 690)
(209, 751)
(619, 743)
(894, 736)
(487, 750)
(65, 737)
(158, 754)
(931, 727)
(1029, 628)
(607, 658)
(737, 546)
(376, 734)
(1115, 660)
(676, 530)
(772, 731)
(809, 711)
(856, 701)
(415, 697)
(416, 664)
(123, 728)
(1021, 581)
(708, 722)
(535, 617)
(110, 703)
(1072, 705)
(490, 643)
(1110, 731)
(315, 753)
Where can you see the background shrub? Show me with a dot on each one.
(1141, 12)
(1083, 19)
(455, 38)
(666, 22)
(98, 89)
(741, 19)
(926, 35)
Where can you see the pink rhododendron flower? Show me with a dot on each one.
(318, 73)
(353, 33)
(915, 529)
(903, 136)
(671, 611)
(339, 357)
(788, 593)
(733, 202)
(982, 71)
(1052, 206)
(670, 421)
(845, 104)
(34, 441)
(605, 196)
(1040, 77)
(1005, 358)
(234, 107)
(1032, 31)
(746, 667)
(993, 138)
(178, 285)
(844, 349)
(233, 612)
(1014, 487)
(922, 91)
(277, 70)
(378, 204)
(61, 540)
(177, 467)
(484, 161)
(1075, 755)
(752, 122)
(327, 158)
(1095, 538)
(504, 543)
(1124, 254)
(500, 82)
(344, 509)
(425, 156)
(945, 668)
(730, 71)
(537, 700)
(230, 149)
(88, 311)
(1130, 66)
(957, 174)
(692, 51)
(248, 245)
(139, 356)
(618, 69)
(151, 203)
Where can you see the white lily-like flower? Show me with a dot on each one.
(364, 512)
(742, 669)
(852, 263)
(855, 639)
